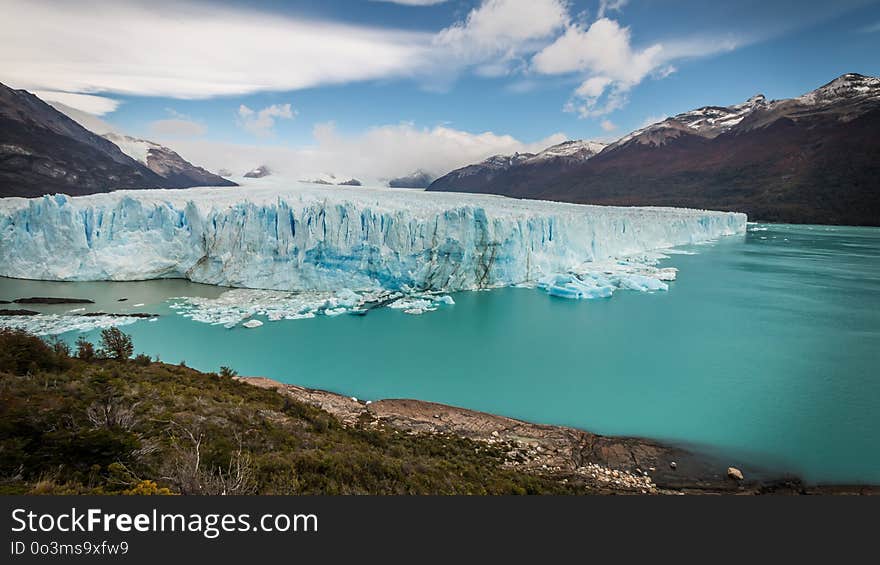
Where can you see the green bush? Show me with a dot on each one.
(115, 344)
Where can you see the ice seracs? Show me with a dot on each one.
(328, 239)
(313, 250)
(316, 238)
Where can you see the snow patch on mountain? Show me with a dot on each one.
(575, 150)
(137, 149)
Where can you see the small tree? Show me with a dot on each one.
(228, 373)
(60, 347)
(84, 349)
(116, 344)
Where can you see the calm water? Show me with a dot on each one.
(764, 351)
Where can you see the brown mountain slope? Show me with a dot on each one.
(43, 151)
(812, 159)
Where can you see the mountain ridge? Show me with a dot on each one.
(44, 151)
(810, 159)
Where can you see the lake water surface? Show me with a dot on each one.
(764, 351)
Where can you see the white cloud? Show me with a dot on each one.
(95, 105)
(606, 6)
(190, 50)
(602, 49)
(176, 127)
(195, 50)
(379, 153)
(261, 123)
(604, 53)
(498, 31)
(593, 87)
(89, 121)
(608, 125)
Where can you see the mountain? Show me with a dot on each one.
(258, 173)
(42, 151)
(166, 163)
(45, 151)
(810, 159)
(416, 179)
(474, 178)
(332, 180)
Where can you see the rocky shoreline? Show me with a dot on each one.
(605, 464)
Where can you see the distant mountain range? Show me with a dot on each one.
(258, 173)
(811, 159)
(43, 151)
(416, 179)
(554, 159)
(332, 179)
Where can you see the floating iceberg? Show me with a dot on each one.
(51, 324)
(309, 238)
(236, 306)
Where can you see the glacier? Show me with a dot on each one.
(298, 237)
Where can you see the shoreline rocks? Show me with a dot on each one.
(603, 464)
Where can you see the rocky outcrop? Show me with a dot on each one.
(606, 464)
(417, 179)
(258, 173)
(53, 300)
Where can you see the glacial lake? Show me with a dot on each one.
(764, 352)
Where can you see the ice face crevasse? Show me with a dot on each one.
(328, 239)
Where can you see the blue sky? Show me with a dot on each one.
(358, 81)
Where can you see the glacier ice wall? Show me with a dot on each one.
(311, 238)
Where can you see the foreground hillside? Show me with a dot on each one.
(70, 426)
(810, 159)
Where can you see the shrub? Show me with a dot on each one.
(228, 373)
(60, 347)
(116, 344)
(22, 352)
(143, 360)
(147, 488)
(84, 349)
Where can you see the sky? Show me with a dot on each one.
(379, 88)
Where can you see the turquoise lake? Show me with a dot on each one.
(764, 351)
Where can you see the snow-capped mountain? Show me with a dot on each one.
(813, 158)
(562, 155)
(708, 122)
(416, 179)
(848, 87)
(42, 151)
(258, 173)
(166, 163)
(575, 151)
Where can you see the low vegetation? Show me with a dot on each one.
(95, 421)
